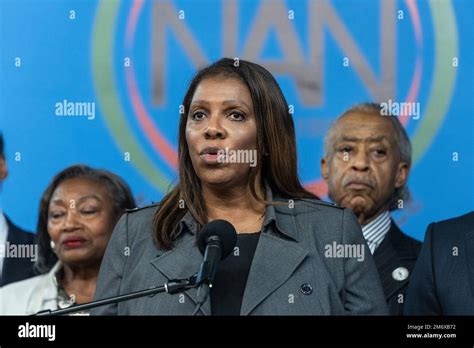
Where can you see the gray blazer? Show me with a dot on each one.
(296, 269)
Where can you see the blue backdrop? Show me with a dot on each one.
(130, 62)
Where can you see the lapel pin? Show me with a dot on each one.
(400, 273)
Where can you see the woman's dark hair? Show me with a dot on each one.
(275, 137)
(117, 188)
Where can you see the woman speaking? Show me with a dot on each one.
(237, 162)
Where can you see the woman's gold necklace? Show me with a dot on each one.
(245, 229)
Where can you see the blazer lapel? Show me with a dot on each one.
(387, 259)
(182, 262)
(470, 256)
(13, 238)
(274, 262)
(277, 255)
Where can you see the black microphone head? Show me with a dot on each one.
(222, 229)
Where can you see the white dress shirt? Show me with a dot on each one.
(376, 230)
(3, 237)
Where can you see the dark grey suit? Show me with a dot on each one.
(397, 250)
(290, 273)
(17, 268)
(443, 280)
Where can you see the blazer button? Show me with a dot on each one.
(306, 289)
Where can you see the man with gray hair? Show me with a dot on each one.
(366, 165)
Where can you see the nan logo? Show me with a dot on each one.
(37, 331)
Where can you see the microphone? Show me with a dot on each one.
(173, 286)
(215, 241)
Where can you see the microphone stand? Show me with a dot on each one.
(172, 287)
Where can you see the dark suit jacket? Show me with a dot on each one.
(396, 250)
(443, 280)
(291, 272)
(17, 268)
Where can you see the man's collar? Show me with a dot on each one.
(383, 216)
